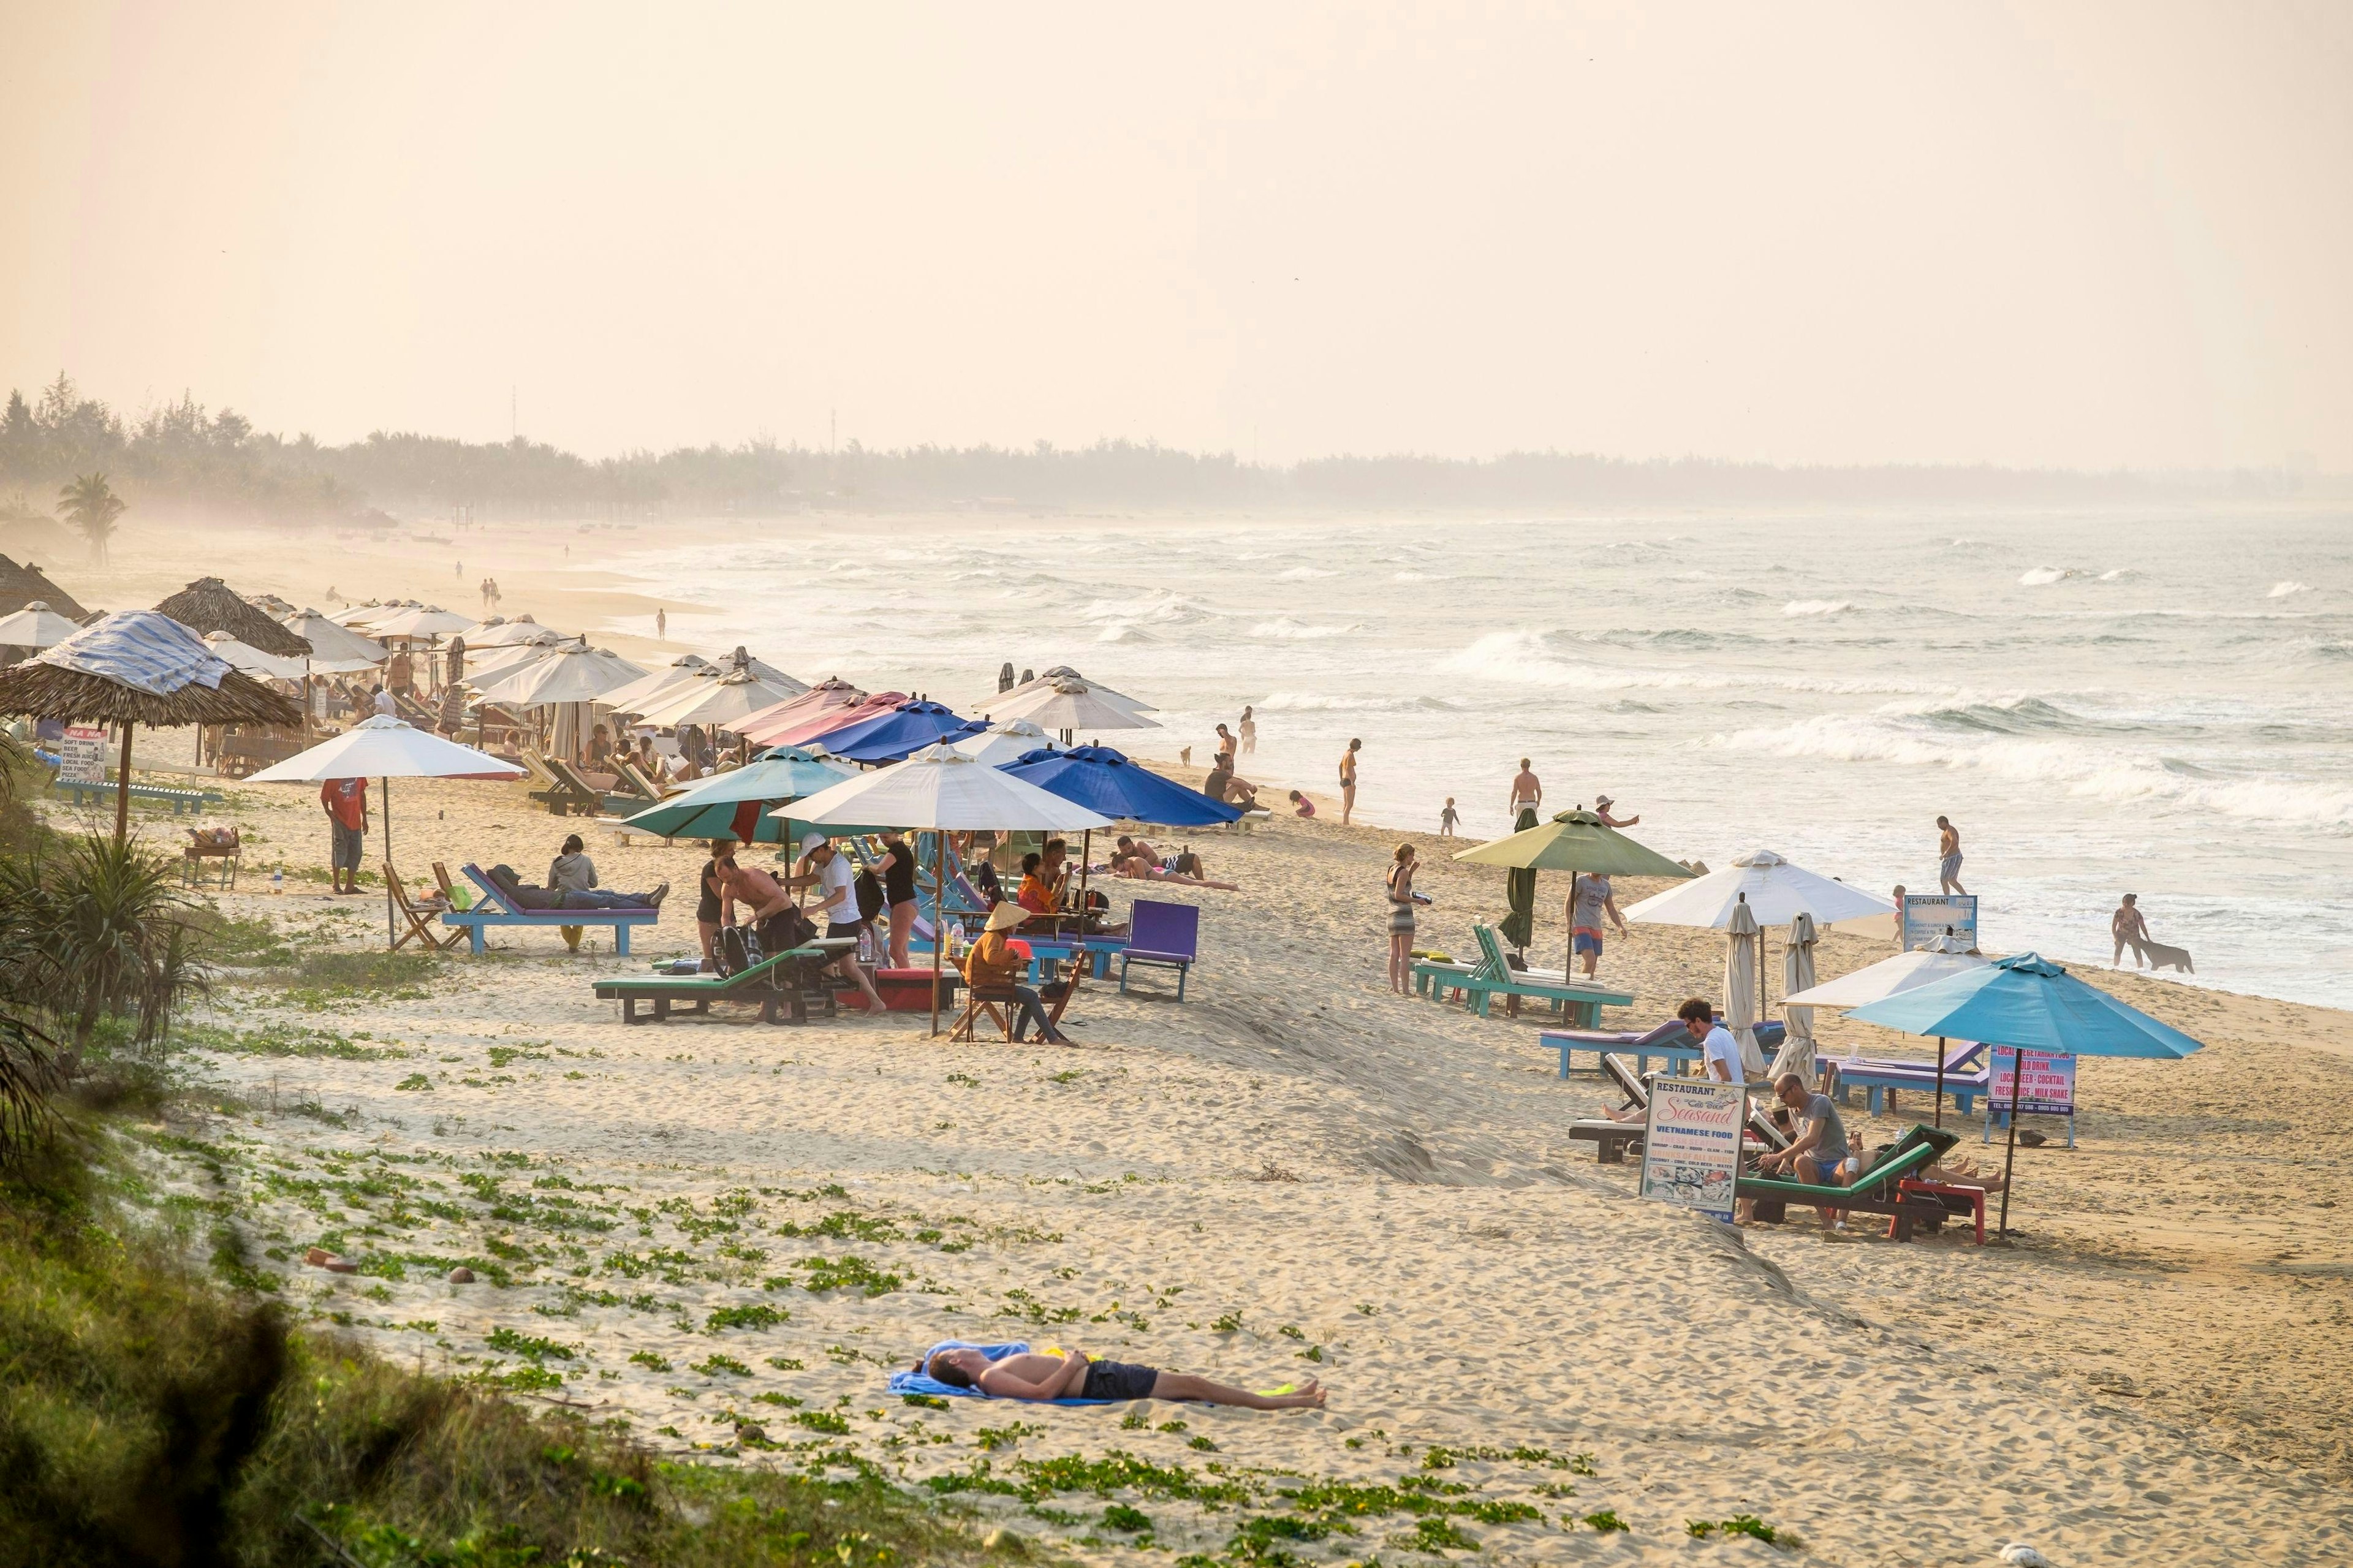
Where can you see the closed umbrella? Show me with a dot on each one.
(383, 747)
(2029, 1004)
(1519, 927)
(1574, 842)
(1797, 1052)
(1744, 944)
(939, 790)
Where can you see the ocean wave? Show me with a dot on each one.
(2091, 770)
(1526, 658)
(1124, 632)
(1796, 607)
(2286, 590)
(1158, 609)
(2118, 573)
(1320, 702)
(2043, 576)
(1303, 573)
(1283, 627)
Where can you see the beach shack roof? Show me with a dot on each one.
(207, 604)
(138, 667)
(20, 586)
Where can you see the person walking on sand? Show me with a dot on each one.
(662, 623)
(2130, 928)
(1948, 856)
(1074, 1374)
(1249, 729)
(1447, 817)
(1594, 902)
(1601, 804)
(1527, 792)
(1348, 780)
(1400, 892)
(345, 803)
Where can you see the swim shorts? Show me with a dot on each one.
(1588, 941)
(1118, 1380)
(1948, 869)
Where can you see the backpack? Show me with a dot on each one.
(868, 891)
(736, 949)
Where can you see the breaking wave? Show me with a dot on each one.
(2286, 590)
(1817, 607)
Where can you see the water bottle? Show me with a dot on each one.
(278, 881)
(866, 945)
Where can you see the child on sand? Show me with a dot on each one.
(1448, 818)
(1033, 1375)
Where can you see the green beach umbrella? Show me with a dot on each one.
(1574, 842)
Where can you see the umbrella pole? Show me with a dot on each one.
(939, 918)
(1940, 1080)
(1569, 943)
(123, 789)
(390, 935)
(2010, 1157)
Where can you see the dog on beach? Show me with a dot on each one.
(2161, 957)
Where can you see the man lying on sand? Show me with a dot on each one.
(1033, 1375)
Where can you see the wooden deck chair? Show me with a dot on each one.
(996, 1003)
(418, 922)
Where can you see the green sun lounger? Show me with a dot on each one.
(1877, 1191)
(1492, 976)
(772, 983)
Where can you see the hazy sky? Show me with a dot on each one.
(2089, 235)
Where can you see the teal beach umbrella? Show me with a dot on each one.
(2029, 1004)
(736, 804)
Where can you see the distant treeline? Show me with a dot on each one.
(181, 454)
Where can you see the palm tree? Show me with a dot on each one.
(93, 508)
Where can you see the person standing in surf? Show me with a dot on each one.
(1348, 780)
(1948, 856)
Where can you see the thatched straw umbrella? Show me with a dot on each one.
(207, 605)
(137, 667)
(20, 586)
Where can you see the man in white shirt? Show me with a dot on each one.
(1719, 1052)
(381, 701)
(829, 868)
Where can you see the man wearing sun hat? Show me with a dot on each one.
(827, 868)
(992, 966)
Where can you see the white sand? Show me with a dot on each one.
(2155, 1373)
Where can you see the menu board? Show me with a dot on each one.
(1690, 1146)
(84, 754)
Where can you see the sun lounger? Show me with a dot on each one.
(1161, 936)
(1613, 1139)
(1966, 1077)
(1492, 977)
(1670, 1041)
(562, 796)
(784, 982)
(1878, 1189)
(496, 909)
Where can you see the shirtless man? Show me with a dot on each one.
(1032, 1374)
(2130, 928)
(1348, 780)
(1948, 856)
(1527, 793)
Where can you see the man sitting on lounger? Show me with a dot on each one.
(1032, 1374)
(1821, 1144)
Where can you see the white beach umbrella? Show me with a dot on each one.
(1003, 742)
(334, 647)
(1797, 1052)
(420, 621)
(995, 702)
(1070, 705)
(1744, 946)
(353, 614)
(241, 656)
(941, 790)
(386, 748)
(35, 627)
(664, 678)
(499, 662)
(567, 674)
(769, 673)
(1774, 890)
(500, 633)
(1905, 971)
(716, 702)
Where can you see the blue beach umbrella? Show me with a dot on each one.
(736, 804)
(903, 730)
(2029, 1004)
(1104, 781)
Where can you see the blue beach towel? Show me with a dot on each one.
(923, 1383)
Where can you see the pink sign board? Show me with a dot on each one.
(2049, 1088)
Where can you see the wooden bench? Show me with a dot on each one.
(786, 982)
(243, 754)
(179, 800)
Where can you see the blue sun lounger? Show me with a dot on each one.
(498, 910)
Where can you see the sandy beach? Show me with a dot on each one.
(1292, 1172)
